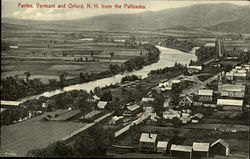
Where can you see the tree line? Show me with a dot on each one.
(14, 88)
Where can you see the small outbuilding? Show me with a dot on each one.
(200, 149)
(162, 146)
(220, 147)
(181, 151)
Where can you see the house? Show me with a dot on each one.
(147, 99)
(230, 90)
(116, 120)
(220, 147)
(186, 101)
(170, 114)
(181, 151)
(205, 95)
(102, 104)
(162, 146)
(230, 104)
(148, 142)
(200, 149)
(132, 110)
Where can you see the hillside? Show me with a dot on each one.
(201, 15)
(241, 26)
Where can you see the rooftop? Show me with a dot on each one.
(224, 143)
(181, 148)
(146, 137)
(147, 99)
(230, 102)
(116, 118)
(162, 144)
(12, 103)
(102, 104)
(205, 92)
(133, 107)
(204, 147)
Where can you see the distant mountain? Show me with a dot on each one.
(240, 26)
(200, 15)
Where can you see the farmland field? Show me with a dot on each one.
(35, 132)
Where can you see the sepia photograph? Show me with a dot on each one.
(125, 79)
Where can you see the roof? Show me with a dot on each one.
(145, 137)
(195, 67)
(181, 148)
(234, 88)
(240, 74)
(96, 97)
(209, 45)
(205, 92)
(176, 81)
(223, 142)
(133, 107)
(147, 99)
(11, 103)
(230, 102)
(116, 118)
(204, 147)
(162, 144)
(102, 104)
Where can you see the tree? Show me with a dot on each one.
(176, 122)
(158, 104)
(27, 74)
(62, 76)
(107, 96)
(92, 54)
(111, 55)
(114, 69)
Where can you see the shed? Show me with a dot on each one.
(220, 147)
(162, 146)
(181, 150)
(200, 149)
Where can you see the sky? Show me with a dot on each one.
(10, 8)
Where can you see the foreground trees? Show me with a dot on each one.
(93, 143)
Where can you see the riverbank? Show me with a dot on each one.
(16, 88)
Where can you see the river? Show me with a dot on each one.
(168, 57)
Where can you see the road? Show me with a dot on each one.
(200, 85)
(144, 116)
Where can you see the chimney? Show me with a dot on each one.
(149, 135)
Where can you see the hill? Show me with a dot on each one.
(200, 15)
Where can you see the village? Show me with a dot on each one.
(191, 111)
